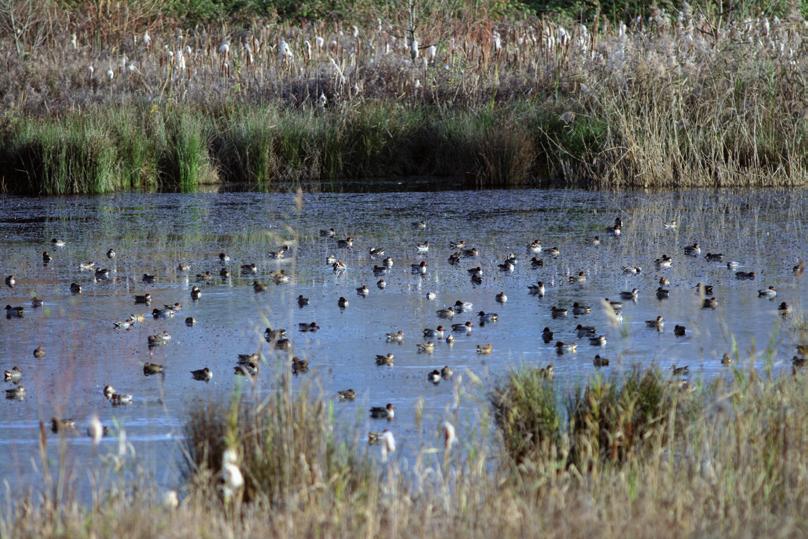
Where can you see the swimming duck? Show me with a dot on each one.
(149, 279)
(798, 362)
(248, 370)
(395, 336)
(799, 269)
(536, 262)
(434, 376)
(363, 291)
(475, 272)
(657, 323)
(600, 361)
(585, 331)
(162, 314)
(547, 335)
(342, 303)
(710, 303)
(679, 331)
(202, 375)
(434, 333)
(271, 335)
(196, 293)
(144, 299)
(205, 277)
(381, 284)
(280, 253)
(310, 327)
(75, 288)
(37, 302)
(446, 372)
(10, 281)
(190, 321)
(383, 412)
(534, 247)
(224, 273)
(617, 228)
(346, 395)
(487, 317)
(537, 289)
(183, 268)
(39, 352)
(123, 324)
(330, 233)
(15, 312)
(102, 274)
(693, 250)
(302, 301)
(616, 306)
(630, 295)
(501, 297)
(631, 270)
(485, 349)
(733, 265)
(594, 241)
(388, 262)
(150, 369)
(704, 289)
(12, 375)
(450, 340)
(374, 252)
(248, 269)
(476, 280)
(423, 247)
(457, 245)
(46, 258)
(463, 306)
(745, 275)
(558, 312)
(714, 257)
(555, 252)
(419, 225)
(426, 347)
(664, 261)
(158, 339)
(680, 371)
(562, 347)
(62, 425)
(283, 344)
(86, 266)
(280, 277)
(420, 268)
(454, 258)
(339, 266)
(347, 243)
(579, 309)
(117, 399)
(330, 259)
(600, 340)
(15, 393)
(447, 312)
(784, 308)
(300, 365)
(506, 266)
(467, 327)
(224, 258)
(769, 293)
(374, 438)
(58, 243)
(259, 287)
(662, 293)
(664, 281)
(726, 359)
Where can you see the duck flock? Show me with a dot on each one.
(452, 321)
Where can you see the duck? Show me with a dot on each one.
(555, 252)
(62, 425)
(347, 243)
(467, 327)
(75, 288)
(15, 312)
(595, 241)
(328, 233)
(600, 361)
(330, 260)
(14, 374)
(224, 258)
(310, 327)
(300, 365)
(446, 372)
(547, 372)
(253, 357)
(600, 340)
(537, 289)
(419, 225)
(798, 362)
(10, 281)
(86, 266)
(387, 412)
(454, 258)
(632, 270)
(158, 339)
(205, 277)
(102, 274)
(388, 262)
(374, 252)
(536, 262)
(436, 333)
(39, 352)
(617, 228)
(280, 254)
(203, 375)
(280, 277)
(506, 266)
(476, 280)
(534, 247)
(457, 245)
(485, 349)
(37, 302)
(447, 312)
(547, 335)
(283, 344)
(664, 281)
(395, 336)
(450, 340)
(679, 331)
(799, 269)
(58, 242)
(475, 272)
(693, 250)
(501, 297)
(745, 275)
(562, 347)
(15, 393)
(434, 376)
(662, 293)
(420, 268)
(346, 394)
(150, 369)
(224, 273)
(714, 257)
(46, 258)
(704, 289)
(558, 312)
(148, 278)
(117, 399)
(363, 291)
(248, 370)
(190, 321)
(631, 295)
(733, 265)
(726, 360)
(426, 347)
(784, 308)
(338, 266)
(580, 309)
(196, 293)
(248, 269)
(162, 314)
(769, 292)
(709, 303)
(585, 331)
(471, 253)
(663, 262)
(182, 267)
(580, 278)
(374, 438)
(463, 306)
(144, 299)
(680, 371)
(657, 323)
(487, 317)
(302, 301)
(423, 247)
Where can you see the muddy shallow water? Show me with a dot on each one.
(764, 231)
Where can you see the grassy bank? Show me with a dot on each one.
(674, 99)
(643, 456)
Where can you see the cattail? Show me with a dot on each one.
(497, 41)
(319, 42)
(414, 49)
(110, 74)
(224, 48)
(95, 430)
(170, 500)
(388, 444)
(355, 31)
(285, 51)
(308, 49)
(231, 474)
(74, 41)
(449, 437)
(146, 39)
(431, 52)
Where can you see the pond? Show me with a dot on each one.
(763, 231)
